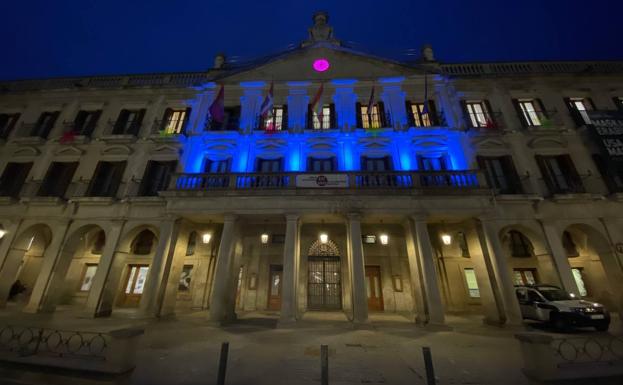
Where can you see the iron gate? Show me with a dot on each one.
(324, 287)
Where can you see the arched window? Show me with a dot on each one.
(569, 245)
(192, 242)
(98, 242)
(143, 243)
(520, 245)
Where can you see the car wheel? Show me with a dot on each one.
(602, 328)
(560, 323)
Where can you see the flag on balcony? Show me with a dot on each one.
(371, 104)
(67, 137)
(426, 102)
(316, 104)
(217, 108)
(267, 105)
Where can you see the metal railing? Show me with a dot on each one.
(541, 120)
(122, 127)
(488, 121)
(167, 128)
(362, 180)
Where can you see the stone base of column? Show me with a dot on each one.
(489, 321)
(224, 321)
(436, 327)
(287, 322)
(362, 325)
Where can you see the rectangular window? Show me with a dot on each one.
(500, 173)
(479, 114)
(185, 278)
(618, 102)
(174, 120)
(369, 239)
(472, 283)
(376, 164)
(560, 174)
(269, 165)
(371, 120)
(231, 120)
(85, 122)
(612, 177)
(7, 123)
(87, 276)
(420, 116)
(128, 122)
(13, 178)
(57, 179)
(157, 177)
(106, 179)
(217, 166)
(578, 276)
(321, 164)
(136, 279)
(578, 108)
(324, 121)
(530, 112)
(525, 277)
(277, 121)
(278, 238)
(432, 163)
(44, 124)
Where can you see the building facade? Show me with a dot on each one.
(370, 185)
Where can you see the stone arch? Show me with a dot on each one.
(539, 265)
(23, 260)
(125, 242)
(596, 265)
(319, 249)
(75, 256)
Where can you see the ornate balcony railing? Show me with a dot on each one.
(359, 180)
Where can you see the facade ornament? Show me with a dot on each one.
(427, 53)
(321, 31)
(219, 61)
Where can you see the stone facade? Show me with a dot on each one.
(124, 235)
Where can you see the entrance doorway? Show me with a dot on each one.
(374, 289)
(324, 288)
(274, 290)
(134, 285)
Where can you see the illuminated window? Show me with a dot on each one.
(618, 101)
(418, 116)
(277, 121)
(324, 122)
(578, 276)
(87, 276)
(369, 239)
(185, 278)
(531, 112)
(174, 121)
(472, 283)
(478, 113)
(525, 277)
(579, 108)
(372, 120)
(192, 243)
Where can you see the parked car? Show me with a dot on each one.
(548, 303)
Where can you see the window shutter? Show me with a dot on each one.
(46, 130)
(67, 173)
(186, 120)
(165, 118)
(138, 122)
(284, 119)
(572, 173)
(94, 185)
(589, 104)
(547, 177)
(382, 114)
(358, 111)
(310, 117)
(605, 172)
(117, 176)
(512, 174)
(520, 114)
(577, 119)
(333, 116)
(147, 176)
(11, 124)
(468, 119)
(410, 119)
(87, 131)
(120, 123)
(432, 113)
(489, 113)
(541, 108)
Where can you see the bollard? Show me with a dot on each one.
(222, 364)
(428, 364)
(324, 365)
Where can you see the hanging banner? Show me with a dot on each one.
(607, 129)
(322, 180)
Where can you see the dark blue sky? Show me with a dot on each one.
(68, 38)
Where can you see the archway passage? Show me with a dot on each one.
(324, 283)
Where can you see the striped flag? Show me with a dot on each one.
(316, 104)
(371, 104)
(267, 106)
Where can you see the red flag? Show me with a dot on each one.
(68, 137)
(371, 103)
(217, 108)
(316, 101)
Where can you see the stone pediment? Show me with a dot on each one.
(165, 150)
(547, 142)
(26, 152)
(344, 64)
(116, 150)
(490, 143)
(69, 151)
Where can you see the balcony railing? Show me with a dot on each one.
(361, 180)
(541, 120)
(122, 127)
(166, 128)
(489, 121)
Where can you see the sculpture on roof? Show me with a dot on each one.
(321, 31)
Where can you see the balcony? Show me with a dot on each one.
(403, 182)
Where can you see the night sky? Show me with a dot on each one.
(92, 37)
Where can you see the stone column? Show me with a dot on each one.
(220, 311)
(167, 295)
(434, 305)
(290, 269)
(10, 258)
(6, 241)
(156, 277)
(110, 112)
(153, 113)
(559, 256)
(358, 270)
(345, 100)
(251, 101)
(198, 116)
(297, 106)
(415, 274)
(394, 99)
(50, 258)
(93, 306)
(493, 251)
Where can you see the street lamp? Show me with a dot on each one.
(264, 238)
(446, 239)
(324, 238)
(206, 237)
(384, 238)
(2, 233)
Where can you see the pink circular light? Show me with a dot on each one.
(321, 65)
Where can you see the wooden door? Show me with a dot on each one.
(274, 288)
(134, 285)
(374, 288)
